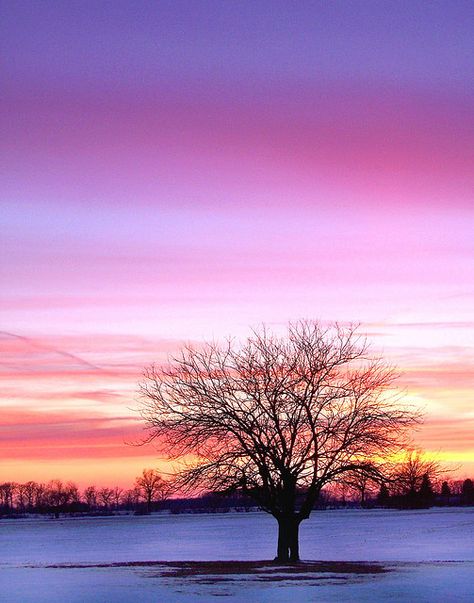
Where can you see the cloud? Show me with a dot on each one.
(442, 324)
(88, 356)
(452, 377)
(358, 137)
(28, 354)
(448, 434)
(29, 434)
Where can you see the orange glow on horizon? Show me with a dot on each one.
(63, 418)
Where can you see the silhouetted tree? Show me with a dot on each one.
(7, 493)
(445, 493)
(276, 418)
(30, 493)
(131, 498)
(383, 497)
(467, 492)
(426, 494)
(105, 497)
(117, 496)
(20, 501)
(56, 496)
(152, 487)
(360, 483)
(411, 473)
(445, 490)
(90, 497)
(40, 494)
(455, 486)
(60, 495)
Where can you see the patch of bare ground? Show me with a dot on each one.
(212, 572)
(218, 571)
(202, 568)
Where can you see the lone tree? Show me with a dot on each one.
(276, 418)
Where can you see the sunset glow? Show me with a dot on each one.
(188, 172)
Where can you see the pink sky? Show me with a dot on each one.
(236, 175)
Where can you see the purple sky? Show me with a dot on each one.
(185, 170)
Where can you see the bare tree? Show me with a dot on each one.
(40, 496)
(106, 497)
(72, 493)
(412, 473)
(455, 486)
(56, 495)
(152, 486)
(362, 483)
(30, 491)
(7, 494)
(277, 417)
(21, 498)
(131, 498)
(90, 497)
(467, 492)
(117, 496)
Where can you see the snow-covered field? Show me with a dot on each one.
(429, 556)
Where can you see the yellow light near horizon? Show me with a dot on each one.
(84, 472)
(449, 456)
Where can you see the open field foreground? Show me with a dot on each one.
(373, 555)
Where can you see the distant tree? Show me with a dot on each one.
(383, 497)
(445, 493)
(117, 496)
(341, 492)
(90, 497)
(409, 476)
(277, 418)
(20, 501)
(105, 496)
(445, 490)
(40, 496)
(456, 486)
(73, 496)
(56, 495)
(7, 494)
(152, 487)
(30, 493)
(467, 492)
(131, 498)
(426, 494)
(361, 483)
(60, 495)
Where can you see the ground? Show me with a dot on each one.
(377, 555)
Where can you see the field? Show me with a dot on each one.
(352, 555)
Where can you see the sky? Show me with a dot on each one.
(181, 171)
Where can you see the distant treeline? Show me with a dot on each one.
(56, 497)
(420, 494)
(448, 493)
(64, 498)
(152, 493)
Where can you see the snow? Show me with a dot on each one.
(423, 584)
(430, 555)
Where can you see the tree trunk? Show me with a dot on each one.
(288, 540)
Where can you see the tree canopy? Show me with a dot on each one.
(277, 417)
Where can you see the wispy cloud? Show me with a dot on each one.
(69, 433)
(39, 348)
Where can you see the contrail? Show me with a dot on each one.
(63, 353)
